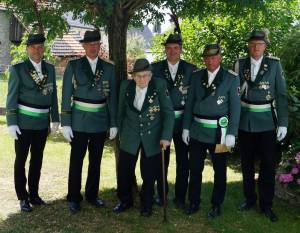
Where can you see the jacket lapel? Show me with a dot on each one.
(149, 98)
(179, 74)
(214, 85)
(166, 72)
(130, 95)
(87, 68)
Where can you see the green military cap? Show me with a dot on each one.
(259, 35)
(91, 36)
(173, 39)
(141, 64)
(211, 50)
(35, 39)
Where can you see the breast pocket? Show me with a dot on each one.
(81, 78)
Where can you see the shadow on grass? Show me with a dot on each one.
(56, 218)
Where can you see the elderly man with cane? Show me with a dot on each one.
(146, 121)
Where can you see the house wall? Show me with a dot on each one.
(5, 57)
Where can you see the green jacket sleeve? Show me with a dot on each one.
(167, 111)
(112, 99)
(12, 97)
(281, 97)
(54, 104)
(67, 92)
(234, 107)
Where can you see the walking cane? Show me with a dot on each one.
(164, 185)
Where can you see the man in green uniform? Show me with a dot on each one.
(31, 105)
(146, 121)
(263, 84)
(177, 73)
(211, 119)
(89, 106)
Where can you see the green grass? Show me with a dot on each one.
(56, 217)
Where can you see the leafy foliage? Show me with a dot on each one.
(290, 58)
(18, 52)
(135, 46)
(228, 23)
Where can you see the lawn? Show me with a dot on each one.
(56, 217)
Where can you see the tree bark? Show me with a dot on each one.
(117, 40)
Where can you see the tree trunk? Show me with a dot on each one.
(117, 39)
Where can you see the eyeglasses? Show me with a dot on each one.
(261, 44)
(141, 76)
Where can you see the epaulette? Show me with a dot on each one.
(19, 63)
(274, 58)
(232, 72)
(108, 61)
(156, 62)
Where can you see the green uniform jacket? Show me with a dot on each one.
(220, 99)
(153, 123)
(268, 86)
(22, 89)
(178, 88)
(80, 82)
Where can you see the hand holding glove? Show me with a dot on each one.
(281, 133)
(67, 133)
(230, 140)
(186, 136)
(113, 132)
(13, 131)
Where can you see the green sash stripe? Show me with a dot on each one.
(178, 115)
(87, 109)
(33, 114)
(257, 109)
(205, 125)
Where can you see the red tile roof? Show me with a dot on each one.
(68, 45)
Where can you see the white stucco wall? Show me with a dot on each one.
(4, 41)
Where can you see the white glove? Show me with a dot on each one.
(67, 133)
(281, 132)
(113, 132)
(13, 131)
(54, 127)
(186, 136)
(230, 140)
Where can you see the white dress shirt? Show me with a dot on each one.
(255, 65)
(93, 63)
(173, 69)
(212, 75)
(38, 68)
(140, 94)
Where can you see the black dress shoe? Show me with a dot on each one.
(25, 206)
(179, 204)
(246, 206)
(74, 207)
(270, 214)
(97, 202)
(193, 208)
(37, 201)
(146, 211)
(215, 211)
(121, 207)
